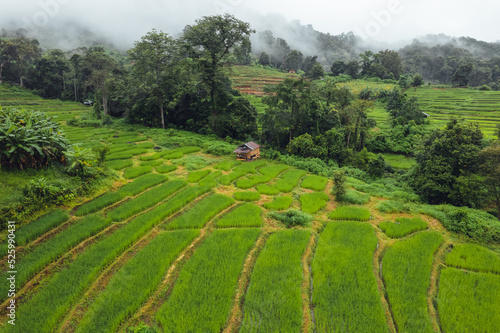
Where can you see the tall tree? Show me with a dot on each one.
(154, 57)
(100, 68)
(391, 61)
(489, 159)
(215, 37)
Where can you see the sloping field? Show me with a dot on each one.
(251, 80)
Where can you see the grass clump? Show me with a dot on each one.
(247, 215)
(196, 176)
(200, 214)
(247, 196)
(252, 181)
(273, 171)
(166, 168)
(393, 206)
(273, 301)
(349, 213)
(406, 269)
(119, 164)
(227, 165)
(313, 202)
(202, 297)
(99, 203)
(142, 183)
(403, 226)
(119, 156)
(153, 157)
(292, 218)
(194, 162)
(279, 203)
(474, 257)
(33, 230)
(137, 171)
(211, 179)
(145, 200)
(345, 294)
(267, 189)
(468, 302)
(114, 304)
(316, 183)
(289, 180)
(154, 163)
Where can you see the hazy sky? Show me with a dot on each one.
(381, 20)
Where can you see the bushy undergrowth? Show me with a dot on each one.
(355, 198)
(292, 218)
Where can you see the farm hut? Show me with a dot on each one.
(426, 115)
(248, 152)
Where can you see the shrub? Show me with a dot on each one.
(313, 202)
(349, 213)
(247, 196)
(29, 139)
(279, 203)
(80, 161)
(292, 218)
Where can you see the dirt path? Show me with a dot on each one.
(306, 287)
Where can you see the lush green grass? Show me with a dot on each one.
(153, 157)
(279, 203)
(316, 183)
(34, 261)
(406, 270)
(468, 302)
(240, 171)
(64, 288)
(137, 171)
(203, 212)
(251, 181)
(227, 165)
(118, 300)
(273, 171)
(194, 162)
(345, 294)
(313, 202)
(196, 176)
(99, 203)
(267, 189)
(145, 200)
(349, 213)
(166, 168)
(403, 226)
(202, 296)
(119, 164)
(273, 302)
(247, 215)
(211, 179)
(292, 218)
(247, 196)
(355, 198)
(153, 163)
(289, 180)
(142, 183)
(474, 257)
(400, 161)
(35, 229)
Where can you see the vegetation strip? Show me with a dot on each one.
(145, 200)
(468, 302)
(273, 302)
(289, 180)
(313, 202)
(403, 226)
(349, 213)
(42, 255)
(65, 286)
(33, 230)
(407, 271)
(345, 294)
(474, 257)
(247, 215)
(247, 196)
(118, 299)
(201, 298)
(201, 213)
(279, 203)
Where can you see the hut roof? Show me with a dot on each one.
(247, 147)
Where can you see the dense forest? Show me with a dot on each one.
(183, 83)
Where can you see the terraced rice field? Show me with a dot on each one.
(226, 265)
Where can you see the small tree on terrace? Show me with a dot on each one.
(154, 58)
(339, 185)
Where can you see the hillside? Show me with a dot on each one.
(231, 260)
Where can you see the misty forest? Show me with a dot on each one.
(298, 182)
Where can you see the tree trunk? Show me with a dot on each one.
(162, 116)
(21, 83)
(74, 86)
(105, 103)
(212, 92)
(1, 70)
